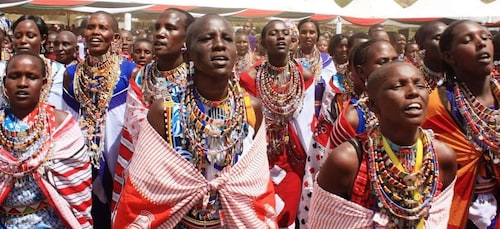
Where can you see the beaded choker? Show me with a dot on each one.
(31, 147)
(281, 90)
(215, 138)
(404, 195)
(93, 88)
(159, 84)
(481, 122)
(432, 78)
(313, 60)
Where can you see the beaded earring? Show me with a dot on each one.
(42, 50)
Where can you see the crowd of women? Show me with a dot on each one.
(207, 127)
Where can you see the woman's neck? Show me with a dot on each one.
(278, 60)
(480, 87)
(434, 66)
(307, 50)
(214, 89)
(403, 137)
(165, 64)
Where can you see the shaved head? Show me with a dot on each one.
(386, 71)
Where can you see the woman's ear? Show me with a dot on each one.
(116, 37)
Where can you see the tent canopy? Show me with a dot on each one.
(361, 12)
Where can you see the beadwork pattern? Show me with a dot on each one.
(93, 89)
(212, 139)
(281, 90)
(405, 196)
(482, 123)
(153, 86)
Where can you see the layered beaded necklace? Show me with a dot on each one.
(30, 142)
(404, 186)
(243, 63)
(215, 134)
(433, 79)
(313, 60)
(482, 123)
(159, 84)
(281, 90)
(93, 88)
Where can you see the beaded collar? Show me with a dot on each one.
(433, 79)
(243, 63)
(93, 89)
(405, 196)
(159, 84)
(482, 123)
(215, 140)
(30, 147)
(281, 90)
(313, 60)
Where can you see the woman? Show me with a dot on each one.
(279, 82)
(219, 177)
(45, 173)
(396, 175)
(427, 38)
(30, 33)
(95, 92)
(464, 114)
(165, 78)
(319, 64)
(142, 52)
(245, 56)
(353, 118)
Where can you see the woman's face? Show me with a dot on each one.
(471, 50)
(308, 35)
(23, 82)
(99, 34)
(340, 52)
(402, 96)
(277, 39)
(212, 47)
(142, 53)
(27, 37)
(378, 54)
(431, 42)
(242, 44)
(170, 33)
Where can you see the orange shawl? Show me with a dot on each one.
(468, 158)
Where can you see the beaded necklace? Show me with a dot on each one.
(218, 138)
(159, 84)
(482, 123)
(281, 90)
(313, 60)
(243, 63)
(93, 89)
(432, 78)
(405, 196)
(32, 145)
(44, 94)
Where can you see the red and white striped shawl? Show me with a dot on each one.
(331, 211)
(67, 181)
(161, 187)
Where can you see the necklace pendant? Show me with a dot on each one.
(409, 179)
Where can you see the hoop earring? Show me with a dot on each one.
(4, 93)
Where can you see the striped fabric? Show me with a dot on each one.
(67, 180)
(468, 158)
(341, 130)
(331, 211)
(161, 187)
(135, 114)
